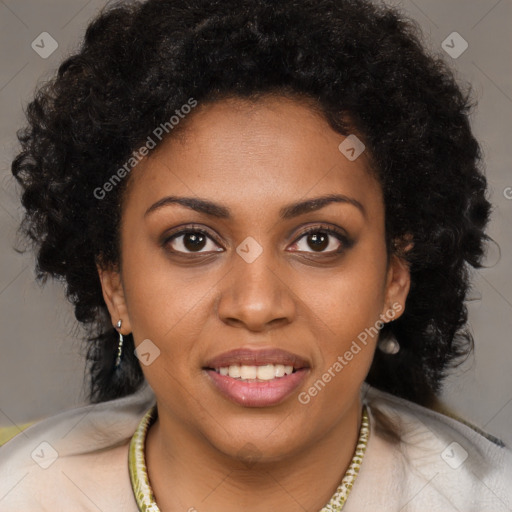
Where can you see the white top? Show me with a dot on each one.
(78, 461)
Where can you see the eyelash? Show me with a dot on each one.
(346, 243)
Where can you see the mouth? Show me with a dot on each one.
(263, 373)
(256, 378)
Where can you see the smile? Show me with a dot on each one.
(256, 373)
(256, 378)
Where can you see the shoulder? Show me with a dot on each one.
(74, 460)
(455, 465)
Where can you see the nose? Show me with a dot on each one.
(256, 295)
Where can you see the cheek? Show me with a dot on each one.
(346, 309)
(353, 296)
(165, 307)
(170, 309)
(163, 300)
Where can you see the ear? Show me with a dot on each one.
(113, 294)
(398, 283)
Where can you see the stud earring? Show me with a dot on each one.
(389, 346)
(119, 346)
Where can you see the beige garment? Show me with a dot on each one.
(427, 471)
(440, 465)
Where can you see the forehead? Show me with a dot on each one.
(253, 152)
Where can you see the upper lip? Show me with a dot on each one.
(257, 357)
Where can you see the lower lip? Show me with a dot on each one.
(257, 394)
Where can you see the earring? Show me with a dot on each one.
(119, 346)
(389, 346)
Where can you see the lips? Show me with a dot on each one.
(260, 357)
(232, 375)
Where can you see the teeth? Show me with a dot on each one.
(248, 372)
(279, 370)
(266, 372)
(234, 371)
(251, 373)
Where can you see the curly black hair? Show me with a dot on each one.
(362, 64)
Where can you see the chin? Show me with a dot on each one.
(258, 446)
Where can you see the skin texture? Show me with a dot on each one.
(253, 159)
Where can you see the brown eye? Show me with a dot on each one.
(318, 241)
(322, 240)
(194, 241)
(191, 241)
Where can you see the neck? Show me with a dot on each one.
(188, 473)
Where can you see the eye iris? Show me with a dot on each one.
(194, 241)
(318, 241)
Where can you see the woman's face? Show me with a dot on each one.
(252, 280)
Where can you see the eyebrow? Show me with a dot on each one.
(287, 212)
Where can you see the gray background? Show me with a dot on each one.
(41, 365)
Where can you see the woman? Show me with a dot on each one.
(265, 215)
